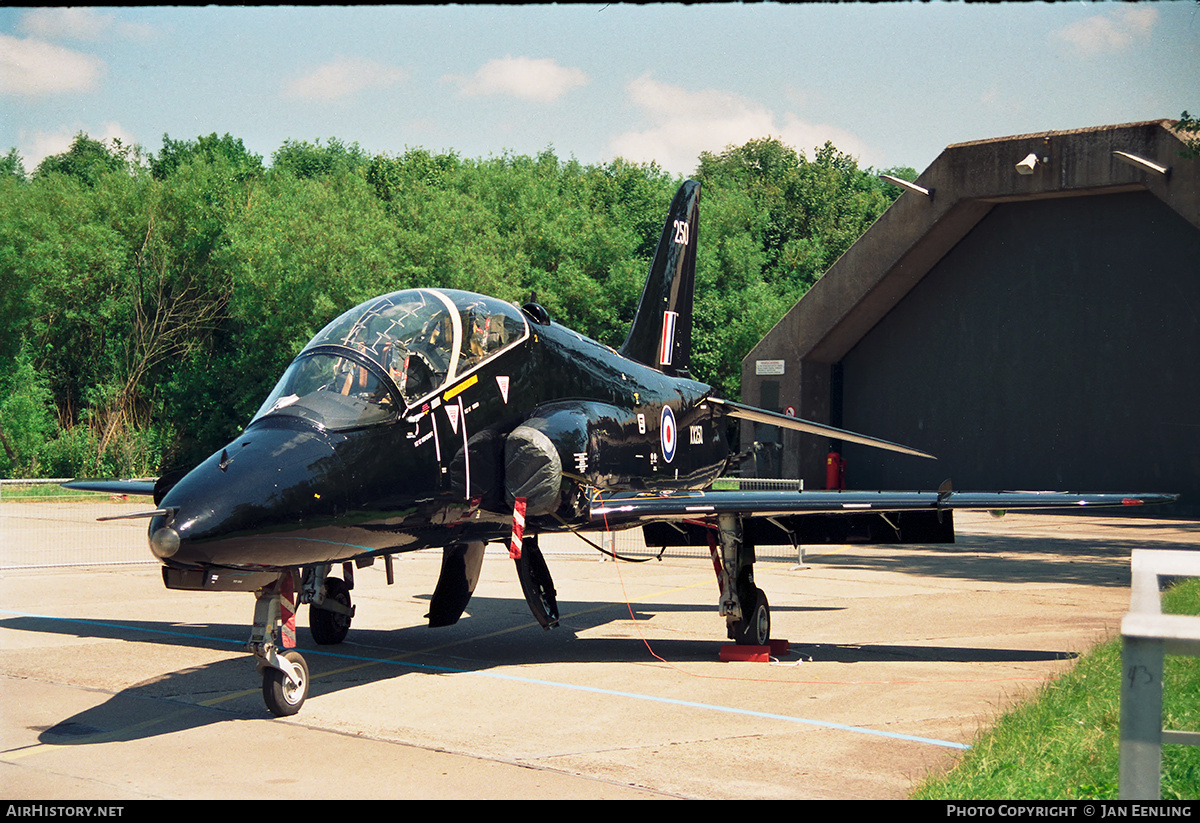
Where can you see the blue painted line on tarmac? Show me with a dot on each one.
(534, 681)
(125, 627)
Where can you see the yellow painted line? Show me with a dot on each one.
(116, 734)
(99, 737)
(477, 638)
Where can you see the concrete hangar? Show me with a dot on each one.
(1030, 314)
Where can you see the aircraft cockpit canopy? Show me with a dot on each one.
(420, 339)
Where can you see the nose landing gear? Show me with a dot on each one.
(284, 692)
(285, 676)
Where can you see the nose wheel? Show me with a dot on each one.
(284, 673)
(284, 692)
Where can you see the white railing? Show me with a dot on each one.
(1146, 635)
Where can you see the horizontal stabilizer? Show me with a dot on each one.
(796, 424)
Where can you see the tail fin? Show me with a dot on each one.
(661, 334)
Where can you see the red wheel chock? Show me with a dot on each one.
(732, 652)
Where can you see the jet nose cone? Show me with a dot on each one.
(233, 507)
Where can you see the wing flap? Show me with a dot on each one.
(923, 526)
(627, 508)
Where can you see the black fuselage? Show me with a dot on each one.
(291, 492)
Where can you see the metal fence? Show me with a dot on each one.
(43, 525)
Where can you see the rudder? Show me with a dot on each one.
(661, 334)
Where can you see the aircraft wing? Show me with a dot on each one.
(625, 509)
(145, 487)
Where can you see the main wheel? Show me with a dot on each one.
(755, 628)
(330, 628)
(537, 584)
(283, 697)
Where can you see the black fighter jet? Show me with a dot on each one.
(433, 418)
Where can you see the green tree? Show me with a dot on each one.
(178, 288)
(158, 302)
(772, 222)
(60, 273)
(294, 255)
(110, 280)
(26, 418)
(1190, 127)
(308, 160)
(11, 165)
(86, 161)
(242, 164)
(394, 177)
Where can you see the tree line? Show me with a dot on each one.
(149, 301)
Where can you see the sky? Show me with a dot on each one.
(891, 84)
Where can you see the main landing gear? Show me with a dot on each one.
(284, 671)
(744, 605)
(330, 611)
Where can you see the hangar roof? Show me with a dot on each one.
(965, 182)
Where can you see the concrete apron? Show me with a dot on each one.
(114, 688)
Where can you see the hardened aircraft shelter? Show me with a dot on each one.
(1029, 312)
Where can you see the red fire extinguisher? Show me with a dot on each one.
(835, 472)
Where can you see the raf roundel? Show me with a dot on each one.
(668, 434)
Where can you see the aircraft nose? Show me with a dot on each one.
(231, 508)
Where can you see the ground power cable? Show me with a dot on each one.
(773, 660)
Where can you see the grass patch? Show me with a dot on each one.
(1064, 743)
(44, 493)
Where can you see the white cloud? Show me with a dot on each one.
(1107, 33)
(542, 81)
(687, 123)
(73, 23)
(80, 24)
(998, 99)
(40, 145)
(343, 78)
(37, 146)
(34, 67)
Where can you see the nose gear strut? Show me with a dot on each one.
(285, 675)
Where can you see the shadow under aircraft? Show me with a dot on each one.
(496, 637)
(435, 418)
